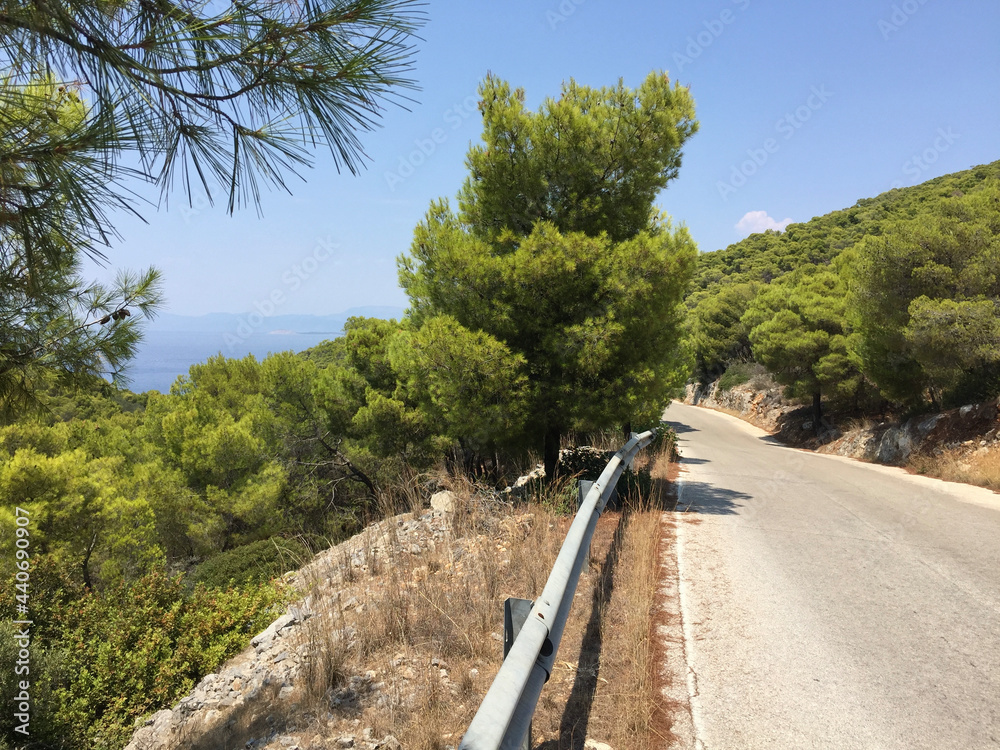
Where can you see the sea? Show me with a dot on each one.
(163, 356)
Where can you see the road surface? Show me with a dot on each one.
(828, 603)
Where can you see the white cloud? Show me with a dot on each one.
(759, 221)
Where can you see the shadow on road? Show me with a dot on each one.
(771, 440)
(699, 497)
(685, 460)
(679, 427)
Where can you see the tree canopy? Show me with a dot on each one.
(796, 328)
(51, 320)
(557, 265)
(925, 298)
(591, 161)
(907, 298)
(225, 92)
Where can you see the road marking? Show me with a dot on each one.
(688, 639)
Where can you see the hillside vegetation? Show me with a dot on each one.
(156, 524)
(892, 304)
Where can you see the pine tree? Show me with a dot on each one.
(559, 262)
(216, 97)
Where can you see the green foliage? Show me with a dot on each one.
(46, 675)
(718, 333)
(239, 451)
(595, 324)
(915, 313)
(558, 267)
(326, 353)
(591, 161)
(232, 95)
(84, 516)
(466, 381)
(366, 348)
(131, 650)
(584, 462)
(229, 93)
(769, 255)
(925, 295)
(253, 563)
(950, 337)
(736, 374)
(52, 324)
(797, 330)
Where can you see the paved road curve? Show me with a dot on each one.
(829, 603)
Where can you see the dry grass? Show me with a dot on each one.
(406, 638)
(859, 425)
(625, 702)
(327, 668)
(605, 686)
(603, 440)
(428, 621)
(980, 467)
(627, 706)
(446, 608)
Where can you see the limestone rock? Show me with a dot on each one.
(443, 501)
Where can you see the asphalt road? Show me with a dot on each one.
(828, 603)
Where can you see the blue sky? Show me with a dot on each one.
(804, 107)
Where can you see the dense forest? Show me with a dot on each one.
(892, 304)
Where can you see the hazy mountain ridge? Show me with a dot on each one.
(228, 322)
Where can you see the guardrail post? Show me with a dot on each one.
(583, 487)
(515, 612)
(631, 458)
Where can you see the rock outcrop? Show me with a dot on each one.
(764, 408)
(253, 693)
(974, 426)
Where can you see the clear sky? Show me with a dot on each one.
(804, 107)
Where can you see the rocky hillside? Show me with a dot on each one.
(262, 698)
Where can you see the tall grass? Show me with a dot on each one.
(981, 467)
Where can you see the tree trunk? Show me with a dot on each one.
(360, 476)
(817, 410)
(550, 455)
(88, 585)
(353, 471)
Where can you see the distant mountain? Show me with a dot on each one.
(229, 322)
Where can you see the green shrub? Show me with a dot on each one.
(252, 563)
(584, 462)
(737, 374)
(45, 675)
(588, 464)
(133, 649)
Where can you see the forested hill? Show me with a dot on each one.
(764, 257)
(892, 302)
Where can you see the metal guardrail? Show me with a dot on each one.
(504, 717)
